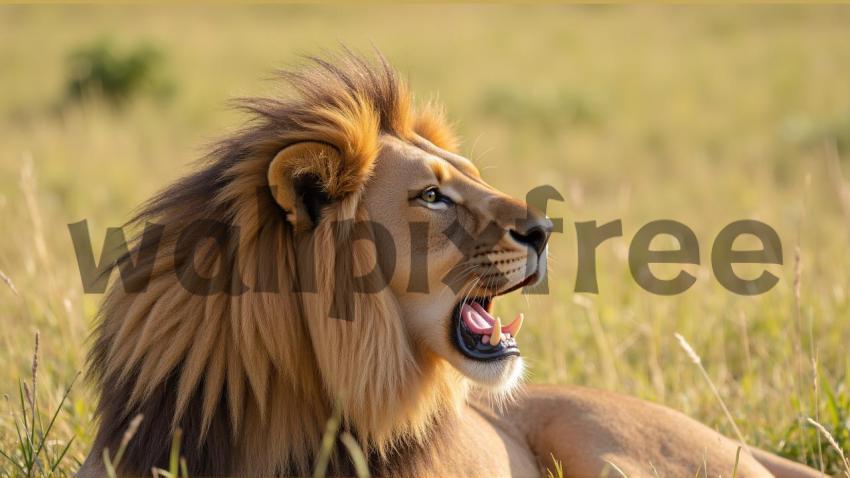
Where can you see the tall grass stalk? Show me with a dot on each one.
(358, 458)
(695, 358)
(176, 464)
(112, 463)
(9, 283)
(326, 449)
(320, 467)
(833, 443)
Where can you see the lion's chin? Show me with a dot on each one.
(500, 376)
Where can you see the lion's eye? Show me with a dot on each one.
(430, 195)
(434, 199)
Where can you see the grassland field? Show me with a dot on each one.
(702, 114)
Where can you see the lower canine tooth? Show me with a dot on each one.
(496, 337)
(513, 327)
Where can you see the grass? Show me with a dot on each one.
(34, 454)
(705, 115)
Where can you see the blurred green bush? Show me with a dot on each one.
(103, 70)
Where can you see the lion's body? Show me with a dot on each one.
(257, 317)
(587, 431)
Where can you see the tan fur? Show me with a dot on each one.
(255, 375)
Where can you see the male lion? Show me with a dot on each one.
(337, 253)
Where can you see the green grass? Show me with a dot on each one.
(700, 114)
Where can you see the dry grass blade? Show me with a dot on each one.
(30, 193)
(834, 444)
(34, 370)
(128, 435)
(798, 307)
(361, 466)
(613, 466)
(9, 283)
(324, 456)
(695, 358)
(111, 464)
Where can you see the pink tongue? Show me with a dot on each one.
(477, 319)
(483, 313)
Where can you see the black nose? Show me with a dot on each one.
(536, 236)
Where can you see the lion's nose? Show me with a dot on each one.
(533, 234)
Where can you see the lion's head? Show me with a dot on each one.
(336, 250)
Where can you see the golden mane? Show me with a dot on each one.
(246, 366)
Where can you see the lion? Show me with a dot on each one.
(301, 274)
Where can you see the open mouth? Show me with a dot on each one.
(479, 335)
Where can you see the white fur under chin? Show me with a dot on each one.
(498, 378)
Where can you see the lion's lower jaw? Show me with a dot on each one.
(499, 378)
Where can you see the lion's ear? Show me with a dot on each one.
(298, 177)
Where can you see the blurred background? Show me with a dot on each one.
(704, 115)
